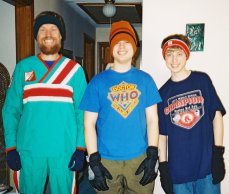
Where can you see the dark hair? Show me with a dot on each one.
(178, 37)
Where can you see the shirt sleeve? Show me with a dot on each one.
(216, 104)
(153, 96)
(80, 86)
(162, 121)
(90, 100)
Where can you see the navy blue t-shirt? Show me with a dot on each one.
(186, 116)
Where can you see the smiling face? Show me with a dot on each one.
(175, 59)
(49, 39)
(123, 52)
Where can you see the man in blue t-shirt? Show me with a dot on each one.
(191, 123)
(121, 103)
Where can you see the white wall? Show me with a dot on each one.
(7, 36)
(162, 18)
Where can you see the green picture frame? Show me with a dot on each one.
(195, 33)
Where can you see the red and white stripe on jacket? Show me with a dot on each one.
(47, 92)
(55, 89)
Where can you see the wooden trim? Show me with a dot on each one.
(24, 16)
(100, 54)
(89, 55)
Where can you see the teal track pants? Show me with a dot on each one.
(34, 172)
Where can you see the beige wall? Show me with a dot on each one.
(162, 18)
(7, 36)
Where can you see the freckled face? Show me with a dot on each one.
(175, 60)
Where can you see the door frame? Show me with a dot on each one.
(88, 39)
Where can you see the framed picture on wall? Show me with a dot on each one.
(195, 33)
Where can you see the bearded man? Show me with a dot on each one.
(43, 125)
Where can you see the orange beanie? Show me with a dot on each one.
(122, 30)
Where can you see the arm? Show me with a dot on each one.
(79, 89)
(218, 165)
(100, 172)
(90, 119)
(218, 128)
(148, 165)
(152, 125)
(165, 178)
(162, 148)
(77, 160)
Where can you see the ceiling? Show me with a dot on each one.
(130, 10)
(125, 10)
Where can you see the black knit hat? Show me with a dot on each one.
(49, 17)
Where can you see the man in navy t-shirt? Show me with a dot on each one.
(191, 125)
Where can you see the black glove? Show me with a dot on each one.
(148, 166)
(13, 160)
(218, 166)
(77, 160)
(101, 173)
(165, 178)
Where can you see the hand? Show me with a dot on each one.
(148, 166)
(166, 180)
(13, 160)
(77, 160)
(218, 166)
(100, 172)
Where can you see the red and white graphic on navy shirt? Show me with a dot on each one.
(186, 109)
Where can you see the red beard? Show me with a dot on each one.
(49, 50)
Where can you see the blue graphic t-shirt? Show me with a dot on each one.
(186, 116)
(120, 99)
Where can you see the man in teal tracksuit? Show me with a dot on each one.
(43, 125)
